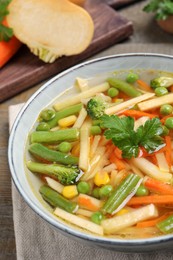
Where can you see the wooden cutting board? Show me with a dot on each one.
(24, 69)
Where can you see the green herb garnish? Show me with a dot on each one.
(161, 8)
(5, 32)
(121, 132)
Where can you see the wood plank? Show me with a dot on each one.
(24, 69)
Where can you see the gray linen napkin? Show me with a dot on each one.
(36, 240)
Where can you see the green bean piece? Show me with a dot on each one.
(95, 130)
(64, 147)
(43, 126)
(124, 87)
(142, 191)
(64, 174)
(113, 92)
(122, 194)
(166, 109)
(83, 187)
(132, 77)
(166, 226)
(39, 150)
(72, 110)
(97, 217)
(57, 200)
(161, 91)
(71, 134)
(169, 123)
(47, 114)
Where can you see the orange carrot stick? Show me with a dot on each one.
(118, 153)
(8, 49)
(158, 186)
(119, 163)
(155, 199)
(144, 86)
(137, 113)
(168, 150)
(88, 203)
(153, 222)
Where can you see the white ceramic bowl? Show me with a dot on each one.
(27, 118)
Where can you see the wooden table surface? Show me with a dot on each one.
(145, 32)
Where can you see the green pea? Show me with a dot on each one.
(105, 190)
(43, 127)
(96, 122)
(161, 91)
(47, 114)
(97, 217)
(166, 109)
(83, 187)
(64, 147)
(95, 130)
(132, 77)
(95, 193)
(113, 92)
(142, 191)
(169, 123)
(165, 130)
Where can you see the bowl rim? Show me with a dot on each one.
(62, 227)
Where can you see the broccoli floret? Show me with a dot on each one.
(96, 107)
(161, 82)
(64, 174)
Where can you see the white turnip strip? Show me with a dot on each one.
(94, 144)
(156, 102)
(112, 225)
(131, 102)
(84, 145)
(109, 168)
(80, 222)
(162, 163)
(81, 118)
(151, 170)
(84, 212)
(55, 185)
(81, 84)
(77, 98)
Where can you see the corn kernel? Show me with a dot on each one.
(70, 191)
(122, 212)
(101, 178)
(67, 121)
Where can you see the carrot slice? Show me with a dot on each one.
(158, 186)
(153, 222)
(155, 199)
(168, 150)
(143, 85)
(137, 113)
(119, 163)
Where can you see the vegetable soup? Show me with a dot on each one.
(104, 155)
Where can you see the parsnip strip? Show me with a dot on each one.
(85, 94)
(128, 103)
(81, 84)
(151, 170)
(109, 168)
(162, 163)
(80, 222)
(112, 225)
(84, 212)
(55, 185)
(84, 145)
(157, 102)
(95, 144)
(81, 118)
(136, 170)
